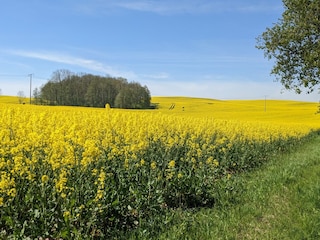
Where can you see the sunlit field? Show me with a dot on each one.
(247, 110)
(11, 99)
(76, 172)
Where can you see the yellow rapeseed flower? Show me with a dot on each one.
(66, 214)
(209, 160)
(216, 162)
(142, 162)
(12, 192)
(172, 164)
(153, 165)
(44, 178)
(61, 139)
(63, 195)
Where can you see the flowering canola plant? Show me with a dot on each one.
(72, 171)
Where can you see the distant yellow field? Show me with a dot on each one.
(284, 111)
(279, 111)
(9, 99)
(110, 166)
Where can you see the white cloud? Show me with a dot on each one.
(260, 8)
(181, 6)
(72, 60)
(163, 84)
(145, 6)
(162, 75)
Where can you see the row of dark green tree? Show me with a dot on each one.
(67, 88)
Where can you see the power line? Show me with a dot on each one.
(23, 76)
(12, 75)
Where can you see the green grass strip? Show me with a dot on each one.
(281, 200)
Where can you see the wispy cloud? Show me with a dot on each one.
(202, 6)
(73, 61)
(144, 6)
(162, 76)
(260, 8)
(181, 6)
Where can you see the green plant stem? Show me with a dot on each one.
(281, 200)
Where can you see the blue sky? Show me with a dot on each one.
(198, 48)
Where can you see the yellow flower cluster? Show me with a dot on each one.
(7, 186)
(96, 165)
(100, 182)
(61, 138)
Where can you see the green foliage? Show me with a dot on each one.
(133, 96)
(137, 192)
(66, 88)
(277, 201)
(294, 44)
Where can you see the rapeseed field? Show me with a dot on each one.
(75, 172)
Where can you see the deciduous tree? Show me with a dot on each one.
(21, 97)
(294, 43)
(66, 88)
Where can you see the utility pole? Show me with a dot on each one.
(30, 75)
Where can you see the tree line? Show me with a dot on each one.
(67, 88)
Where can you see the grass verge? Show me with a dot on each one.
(281, 200)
